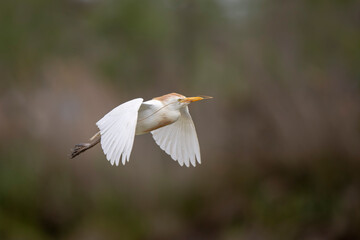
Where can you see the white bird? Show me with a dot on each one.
(166, 117)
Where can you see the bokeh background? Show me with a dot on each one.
(280, 141)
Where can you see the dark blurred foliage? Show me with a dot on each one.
(280, 140)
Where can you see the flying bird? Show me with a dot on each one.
(167, 118)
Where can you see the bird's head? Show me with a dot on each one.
(178, 101)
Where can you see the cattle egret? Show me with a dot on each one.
(166, 117)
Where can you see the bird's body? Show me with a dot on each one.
(166, 117)
(154, 114)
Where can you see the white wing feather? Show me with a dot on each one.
(117, 129)
(179, 140)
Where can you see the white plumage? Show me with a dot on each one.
(166, 117)
(117, 130)
(179, 140)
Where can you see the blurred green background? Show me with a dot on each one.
(280, 141)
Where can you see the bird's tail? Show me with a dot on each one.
(82, 147)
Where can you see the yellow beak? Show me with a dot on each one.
(194, 99)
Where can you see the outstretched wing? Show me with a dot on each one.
(117, 129)
(179, 140)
